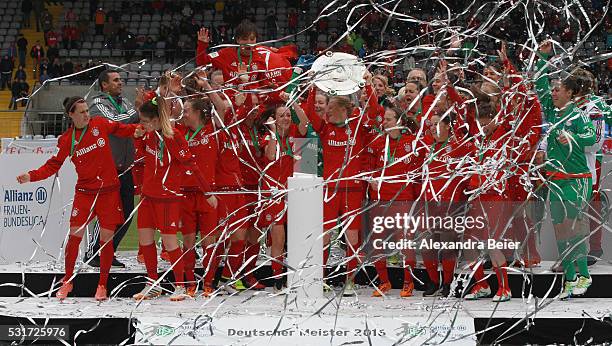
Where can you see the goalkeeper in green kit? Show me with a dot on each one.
(569, 177)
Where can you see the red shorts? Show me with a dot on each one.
(274, 211)
(342, 203)
(492, 213)
(137, 174)
(164, 215)
(197, 213)
(231, 210)
(105, 206)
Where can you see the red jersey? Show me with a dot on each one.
(90, 152)
(251, 151)
(277, 171)
(373, 125)
(262, 64)
(203, 145)
(446, 162)
(167, 161)
(342, 148)
(397, 163)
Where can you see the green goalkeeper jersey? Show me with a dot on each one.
(571, 157)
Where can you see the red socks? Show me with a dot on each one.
(448, 270)
(502, 276)
(408, 268)
(277, 266)
(189, 263)
(250, 258)
(479, 274)
(432, 271)
(70, 256)
(211, 263)
(178, 267)
(149, 252)
(106, 260)
(381, 269)
(235, 258)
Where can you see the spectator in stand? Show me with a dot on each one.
(44, 65)
(43, 75)
(52, 52)
(21, 73)
(110, 31)
(15, 94)
(148, 47)
(6, 70)
(37, 53)
(12, 52)
(99, 21)
(187, 11)
(46, 21)
(22, 47)
(38, 6)
(51, 38)
(24, 91)
(68, 68)
(70, 17)
(83, 26)
(26, 12)
(129, 45)
(70, 37)
(55, 69)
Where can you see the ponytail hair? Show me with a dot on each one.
(158, 107)
(71, 102)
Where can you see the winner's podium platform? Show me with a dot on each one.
(264, 317)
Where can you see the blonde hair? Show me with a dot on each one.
(389, 91)
(159, 107)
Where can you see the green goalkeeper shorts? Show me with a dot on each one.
(569, 198)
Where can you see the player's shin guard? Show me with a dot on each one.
(277, 266)
(106, 260)
(72, 251)
(448, 270)
(149, 252)
(409, 266)
(502, 276)
(251, 254)
(235, 258)
(189, 260)
(178, 267)
(381, 269)
(432, 271)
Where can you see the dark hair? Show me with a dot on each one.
(579, 82)
(203, 106)
(103, 77)
(70, 102)
(245, 29)
(404, 120)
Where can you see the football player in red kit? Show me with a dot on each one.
(196, 213)
(443, 190)
(342, 140)
(398, 160)
(97, 188)
(279, 147)
(167, 160)
(249, 65)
